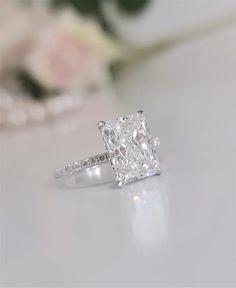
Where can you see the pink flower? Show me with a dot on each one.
(18, 23)
(71, 52)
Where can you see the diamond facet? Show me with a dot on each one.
(130, 146)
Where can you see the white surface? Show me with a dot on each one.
(164, 18)
(174, 230)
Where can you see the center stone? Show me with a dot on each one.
(132, 150)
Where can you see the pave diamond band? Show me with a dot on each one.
(80, 165)
(130, 149)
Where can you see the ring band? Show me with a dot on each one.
(76, 167)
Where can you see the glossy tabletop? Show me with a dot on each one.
(177, 229)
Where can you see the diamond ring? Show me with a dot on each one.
(130, 149)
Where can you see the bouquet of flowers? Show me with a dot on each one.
(54, 52)
(51, 53)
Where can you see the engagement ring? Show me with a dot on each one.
(130, 149)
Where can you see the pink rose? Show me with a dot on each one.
(70, 52)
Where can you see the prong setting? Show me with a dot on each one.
(155, 141)
(101, 124)
(140, 112)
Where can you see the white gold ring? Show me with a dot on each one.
(130, 149)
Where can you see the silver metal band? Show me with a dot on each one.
(80, 165)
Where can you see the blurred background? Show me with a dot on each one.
(56, 54)
(65, 65)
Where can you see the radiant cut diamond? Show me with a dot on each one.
(131, 149)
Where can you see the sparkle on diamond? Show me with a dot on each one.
(131, 148)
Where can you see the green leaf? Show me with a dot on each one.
(31, 86)
(132, 6)
(84, 6)
(87, 7)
